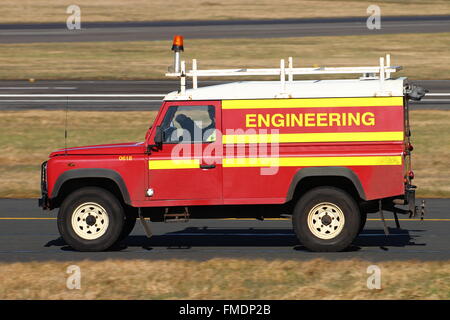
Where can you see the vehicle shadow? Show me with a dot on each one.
(191, 237)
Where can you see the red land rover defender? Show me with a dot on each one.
(326, 152)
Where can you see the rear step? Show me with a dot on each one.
(173, 215)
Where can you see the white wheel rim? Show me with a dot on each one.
(326, 220)
(90, 221)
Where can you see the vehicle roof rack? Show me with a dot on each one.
(382, 71)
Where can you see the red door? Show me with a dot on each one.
(188, 165)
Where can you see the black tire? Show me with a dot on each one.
(128, 224)
(326, 199)
(363, 221)
(114, 213)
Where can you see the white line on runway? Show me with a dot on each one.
(81, 95)
(432, 100)
(438, 94)
(38, 88)
(128, 95)
(265, 234)
(144, 95)
(82, 101)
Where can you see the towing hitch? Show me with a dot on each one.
(413, 211)
(416, 211)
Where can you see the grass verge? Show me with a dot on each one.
(150, 59)
(27, 137)
(226, 279)
(40, 11)
(431, 155)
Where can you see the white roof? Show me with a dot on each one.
(294, 89)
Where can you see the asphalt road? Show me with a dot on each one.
(145, 31)
(28, 233)
(138, 95)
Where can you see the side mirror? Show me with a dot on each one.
(415, 92)
(159, 137)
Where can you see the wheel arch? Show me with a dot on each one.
(71, 180)
(307, 178)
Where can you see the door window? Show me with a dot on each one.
(189, 124)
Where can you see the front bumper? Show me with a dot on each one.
(44, 201)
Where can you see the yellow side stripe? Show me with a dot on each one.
(312, 103)
(312, 161)
(313, 137)
(174, 164)
(282, 162)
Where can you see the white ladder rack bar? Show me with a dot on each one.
(383, 70)
(288, 71)
(291, 67)
(388, 65)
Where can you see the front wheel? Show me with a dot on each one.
(91, 219)
(326, 219)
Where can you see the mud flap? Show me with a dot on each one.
(145, 224)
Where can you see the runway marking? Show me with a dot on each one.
(38, 88)
(80, 95)
(438, 94)
(11, 218)
(267, 234)
(82, 101)
(410, 219)
(371, 219)
(102, 95)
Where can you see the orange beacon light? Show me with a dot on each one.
(177, 46)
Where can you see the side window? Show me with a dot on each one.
(189, 124)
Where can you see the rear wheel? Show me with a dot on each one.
(326, 219)
(91, 219)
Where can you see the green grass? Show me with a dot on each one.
(14, 11)
(431, 155)
(150, 59)
(226, 279)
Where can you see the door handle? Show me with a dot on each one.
(207, 166)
